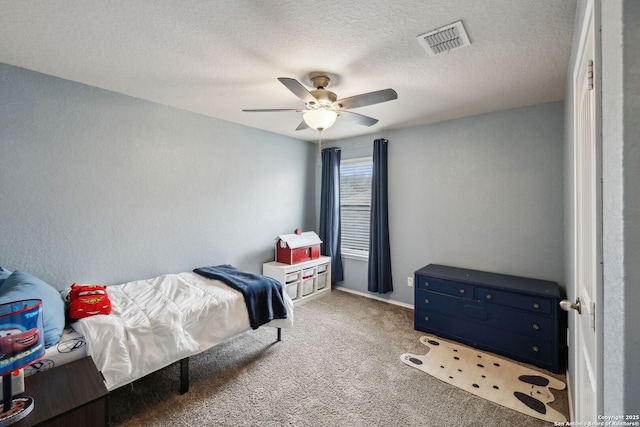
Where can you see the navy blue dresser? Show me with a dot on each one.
(513, 316)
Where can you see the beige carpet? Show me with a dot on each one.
(493, 378)
(338, 366)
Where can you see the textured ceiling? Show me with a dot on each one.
(218, 57)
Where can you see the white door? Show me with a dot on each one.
(585, 336)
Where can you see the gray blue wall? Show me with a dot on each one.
(482, 192)
(98, 187)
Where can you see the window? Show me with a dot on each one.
(355, 205)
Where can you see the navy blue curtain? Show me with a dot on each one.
(330, 211)
(379, 250)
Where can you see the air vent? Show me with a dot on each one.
(445, 39)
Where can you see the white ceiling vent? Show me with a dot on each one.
(445, 39)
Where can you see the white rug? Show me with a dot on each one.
(498, 380)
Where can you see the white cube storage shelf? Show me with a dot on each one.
(303, 280)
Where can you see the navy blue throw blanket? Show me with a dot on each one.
(263, 295)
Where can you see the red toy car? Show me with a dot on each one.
(88, 300)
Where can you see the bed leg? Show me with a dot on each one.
(184, 375)
(279, 334)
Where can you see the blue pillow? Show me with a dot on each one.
(19, 286)
(4, 273)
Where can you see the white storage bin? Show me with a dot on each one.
(322, 280)
(307, 273)
(322, 268)
(307, 287)
(291, 277)
(292, 289)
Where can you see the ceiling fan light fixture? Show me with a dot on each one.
(320, 119)
(322, 107)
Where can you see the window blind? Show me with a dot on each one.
(355, 204)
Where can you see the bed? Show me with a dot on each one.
(163, 320)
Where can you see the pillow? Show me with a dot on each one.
(4, 273)
(20, 285)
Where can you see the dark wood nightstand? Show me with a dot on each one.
(73, 394)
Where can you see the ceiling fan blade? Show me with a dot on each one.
(302, 126)
(270, 110)
(367, 99)
(298, 90)
(358, 118)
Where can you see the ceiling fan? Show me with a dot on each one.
(323, 106)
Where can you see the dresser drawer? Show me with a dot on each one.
(499, 317)
(444, 286)
(522, 347)
(450, 305)
(521, 321)
(526, 302)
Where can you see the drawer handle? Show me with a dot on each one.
(535, 326)
(462, 291)
(488, 296)
(426, 300)
(426, 284)
(535, 348)
(536, 305)
(426, 318)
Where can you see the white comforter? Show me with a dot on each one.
(158, 321)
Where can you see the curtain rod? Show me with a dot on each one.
(356, 146)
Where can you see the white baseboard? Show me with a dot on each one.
(363, 294)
